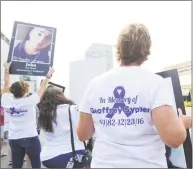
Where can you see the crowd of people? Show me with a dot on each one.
(127, 109)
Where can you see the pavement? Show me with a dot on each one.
(5, 160)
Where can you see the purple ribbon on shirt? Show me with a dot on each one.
(119, 102)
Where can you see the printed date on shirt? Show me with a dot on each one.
(121, 122)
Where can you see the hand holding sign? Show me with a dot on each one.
(7, 65)
(50, 72)
(186, 120)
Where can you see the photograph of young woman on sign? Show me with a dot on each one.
(32, 44)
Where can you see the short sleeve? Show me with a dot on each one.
(86, 102)
(164, 94)
(34, 99)
(5, 99)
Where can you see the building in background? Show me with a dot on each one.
(98, 59)
(32, 80)
(184, 71)
(98, 50)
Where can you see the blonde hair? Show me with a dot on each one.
(133, 44)
(24, 86)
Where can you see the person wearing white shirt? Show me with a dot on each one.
(20, 105)
(54, 122)
(130, 110)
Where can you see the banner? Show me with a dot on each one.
(31, 49)
(182, 156)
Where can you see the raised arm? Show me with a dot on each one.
(44, 83)
(6, 78)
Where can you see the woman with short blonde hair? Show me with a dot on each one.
(129, 110)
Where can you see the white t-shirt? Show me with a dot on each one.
(59, 141)
(121, 102)
(6, 121)
(22, 115)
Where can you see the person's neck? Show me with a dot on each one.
(21, 97)
(29, 49)
(25, 95)
(129, 65)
